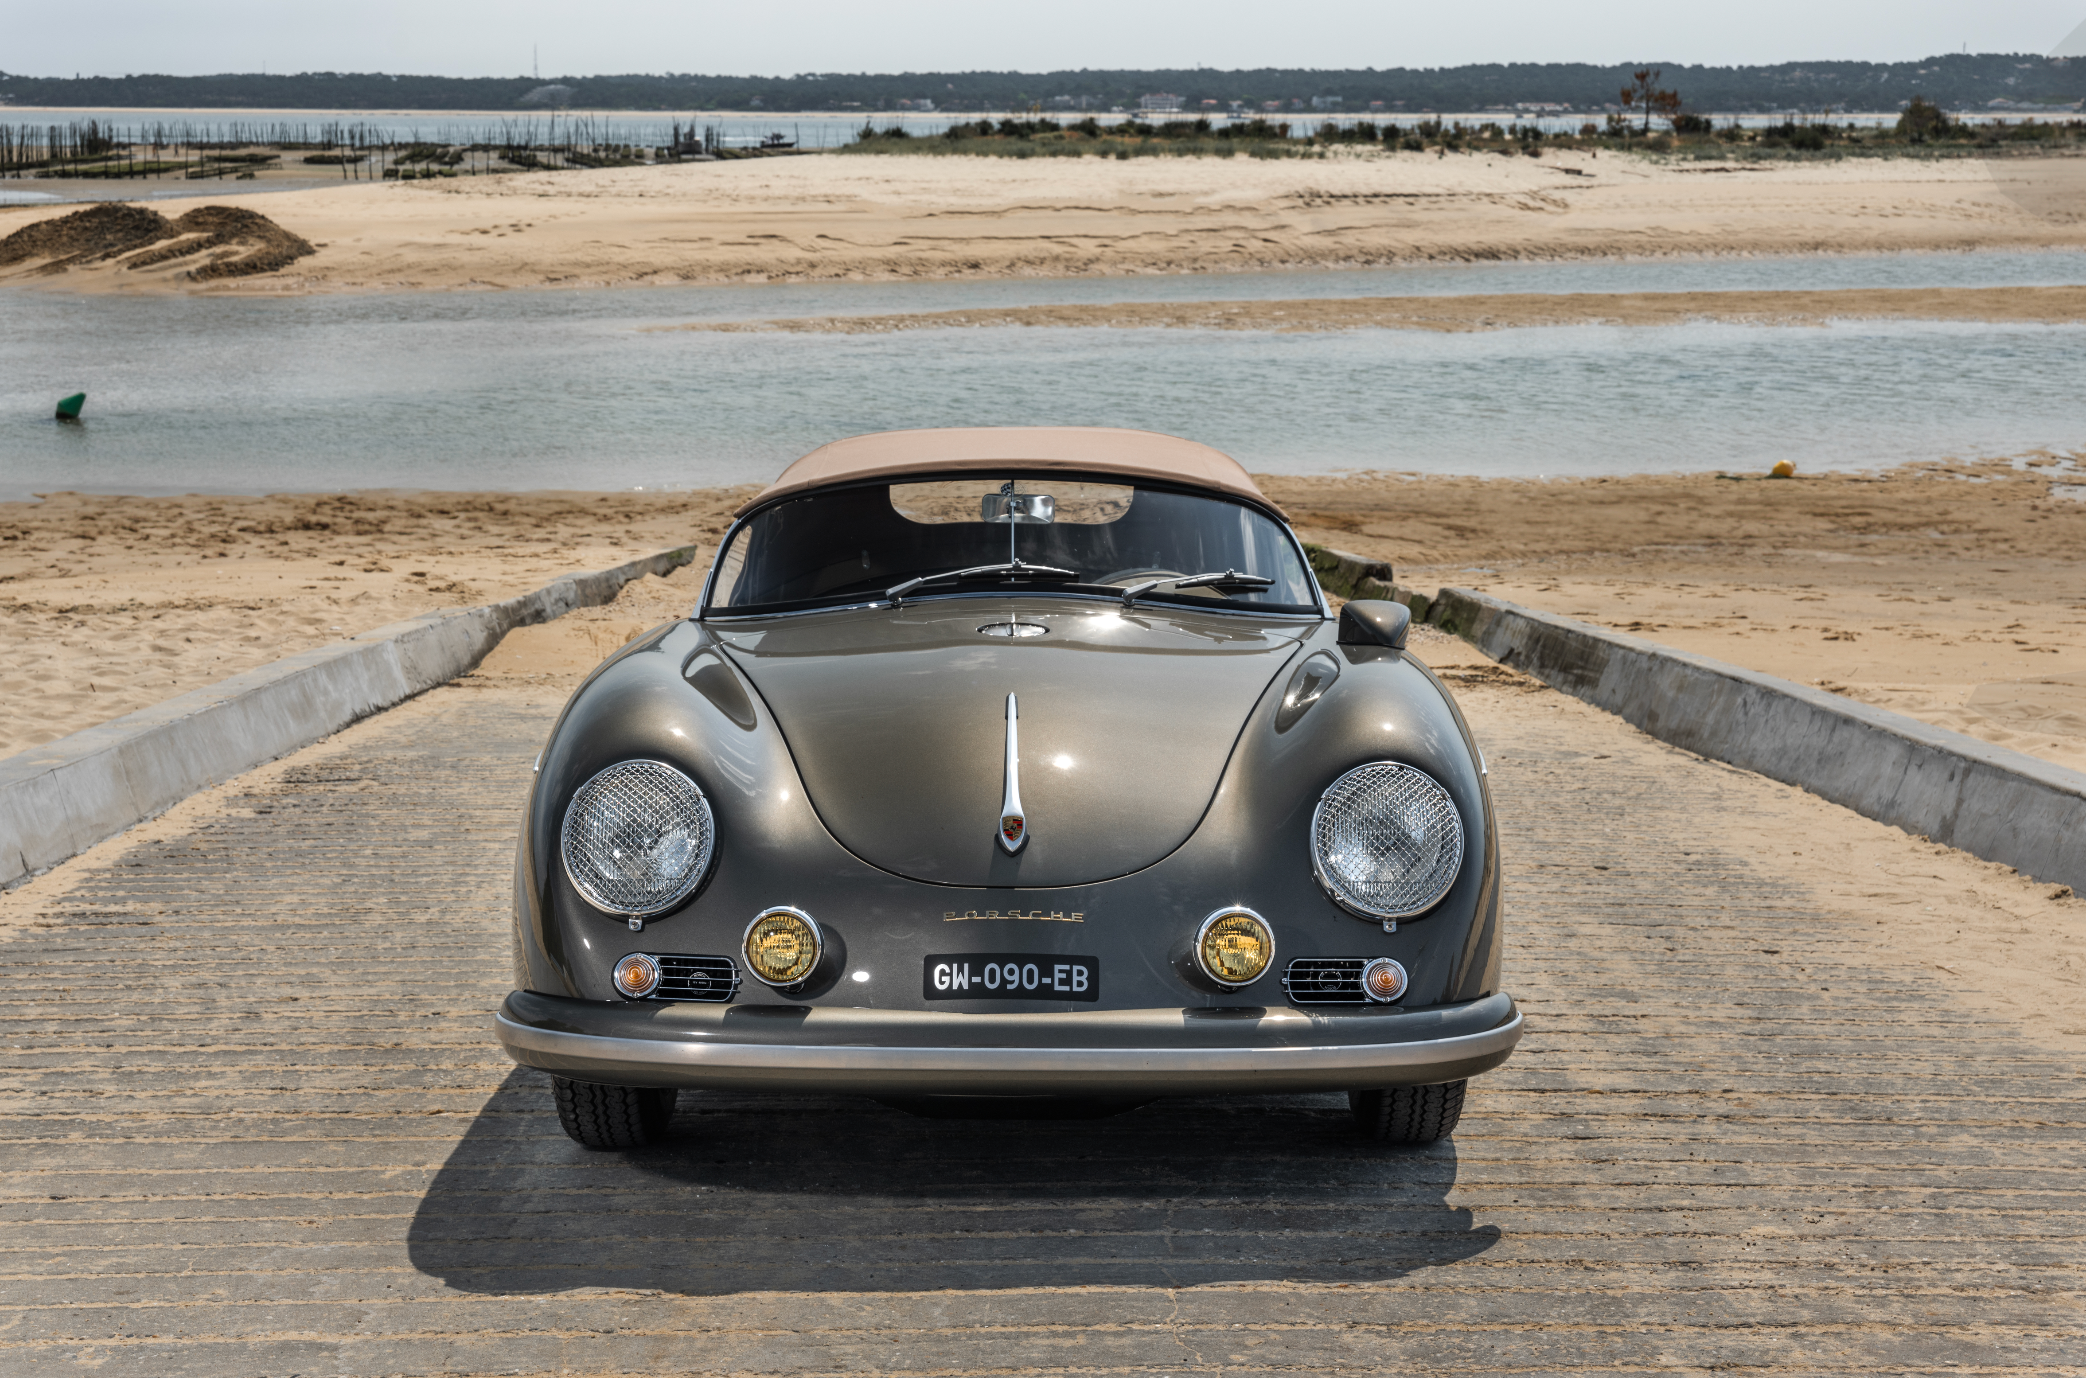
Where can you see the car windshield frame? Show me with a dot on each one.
(708, 610)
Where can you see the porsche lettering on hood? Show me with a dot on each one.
(896, 719)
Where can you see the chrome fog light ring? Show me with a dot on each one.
(1387, 841)
(637, 838)
(765, 962)
(1221, 956)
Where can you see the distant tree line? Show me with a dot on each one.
(1649, 121)
(1951, 81)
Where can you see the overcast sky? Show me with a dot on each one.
(475, 38)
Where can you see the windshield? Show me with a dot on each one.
(852, 545)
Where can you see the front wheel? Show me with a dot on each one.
(603, 1117)
(1408, 1114)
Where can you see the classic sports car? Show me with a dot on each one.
(1006, 771)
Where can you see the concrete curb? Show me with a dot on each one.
(1348, 575)
(58, 799)
(1989, 801)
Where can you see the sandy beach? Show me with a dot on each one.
(900, 217)
(111, 604)
(1955, 593)
(1949, 592)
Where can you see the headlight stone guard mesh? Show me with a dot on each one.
(637, 838)
(1387, 841)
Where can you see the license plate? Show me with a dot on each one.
(1010, 976)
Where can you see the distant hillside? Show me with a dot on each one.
(1956, 80)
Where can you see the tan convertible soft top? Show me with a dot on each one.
(1087, 449)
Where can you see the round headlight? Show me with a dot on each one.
(637, 838)
(1234, 946)
(1386, 840)
(782, 946)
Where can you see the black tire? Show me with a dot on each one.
(1408, 1114)
(604, 1117)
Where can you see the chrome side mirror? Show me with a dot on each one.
(1024, 509)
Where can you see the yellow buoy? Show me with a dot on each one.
(1783, 469)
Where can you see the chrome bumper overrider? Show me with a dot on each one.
(1121, 1052)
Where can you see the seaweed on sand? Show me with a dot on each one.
(240, 242)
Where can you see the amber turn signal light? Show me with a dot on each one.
(1383, 980)
(1234, 947)
(782, 946)
(637, 976)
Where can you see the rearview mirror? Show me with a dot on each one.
(1025, 509)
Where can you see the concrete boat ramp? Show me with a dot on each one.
(256, 1124)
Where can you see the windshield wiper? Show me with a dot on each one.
(1227, 582)
(1015, 568)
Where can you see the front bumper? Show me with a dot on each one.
(1083, 1053)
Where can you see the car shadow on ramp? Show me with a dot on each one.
(834, 1193)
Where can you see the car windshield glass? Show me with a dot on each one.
(850, 545)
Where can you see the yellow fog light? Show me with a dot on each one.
(782, 946)
(1383, 980)
(637, 976)
(1234, 947)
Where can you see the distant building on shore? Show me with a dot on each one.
(1159, 104)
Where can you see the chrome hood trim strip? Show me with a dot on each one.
(1014, 824)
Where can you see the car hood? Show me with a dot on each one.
(897, 723)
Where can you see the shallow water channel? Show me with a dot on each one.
(579, 389)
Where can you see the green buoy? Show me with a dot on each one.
(69, 407)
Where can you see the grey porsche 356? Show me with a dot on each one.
(1001, 764)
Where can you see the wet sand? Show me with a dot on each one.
(1955, 593)
(898, 217)
(2021, 305)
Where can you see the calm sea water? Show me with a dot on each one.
(580, 390)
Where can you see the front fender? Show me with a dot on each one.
(1385, 705)
(669, 697)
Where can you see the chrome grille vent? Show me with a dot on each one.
(1325, 980)
(695, 978)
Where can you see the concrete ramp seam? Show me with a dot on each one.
(1993, 802)
(59, 799)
